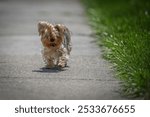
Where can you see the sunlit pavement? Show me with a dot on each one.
(22, 75)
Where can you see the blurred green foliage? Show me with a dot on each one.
(123, 28)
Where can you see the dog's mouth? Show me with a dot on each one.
(53, 45)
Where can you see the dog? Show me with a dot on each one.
(56, 40)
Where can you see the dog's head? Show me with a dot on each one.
(51, 36)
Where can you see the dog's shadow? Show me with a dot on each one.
(50, 70)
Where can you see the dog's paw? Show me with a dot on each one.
(62, 65)
(49, 66)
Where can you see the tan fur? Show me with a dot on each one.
(56, 41)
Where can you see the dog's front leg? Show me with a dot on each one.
(62, 61)
(50, 63)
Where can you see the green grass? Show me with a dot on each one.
(123, 29)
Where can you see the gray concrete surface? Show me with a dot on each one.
(21, 66)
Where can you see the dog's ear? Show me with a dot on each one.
(60, 28)
(42, 26)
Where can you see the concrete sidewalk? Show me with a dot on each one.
(21, 75)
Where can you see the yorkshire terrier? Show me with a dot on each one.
(56, 40)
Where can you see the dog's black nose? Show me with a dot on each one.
(52, 40)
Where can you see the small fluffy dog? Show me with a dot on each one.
(56, 40)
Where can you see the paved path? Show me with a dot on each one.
(21, 75)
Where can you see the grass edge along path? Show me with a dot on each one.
(123, 29)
